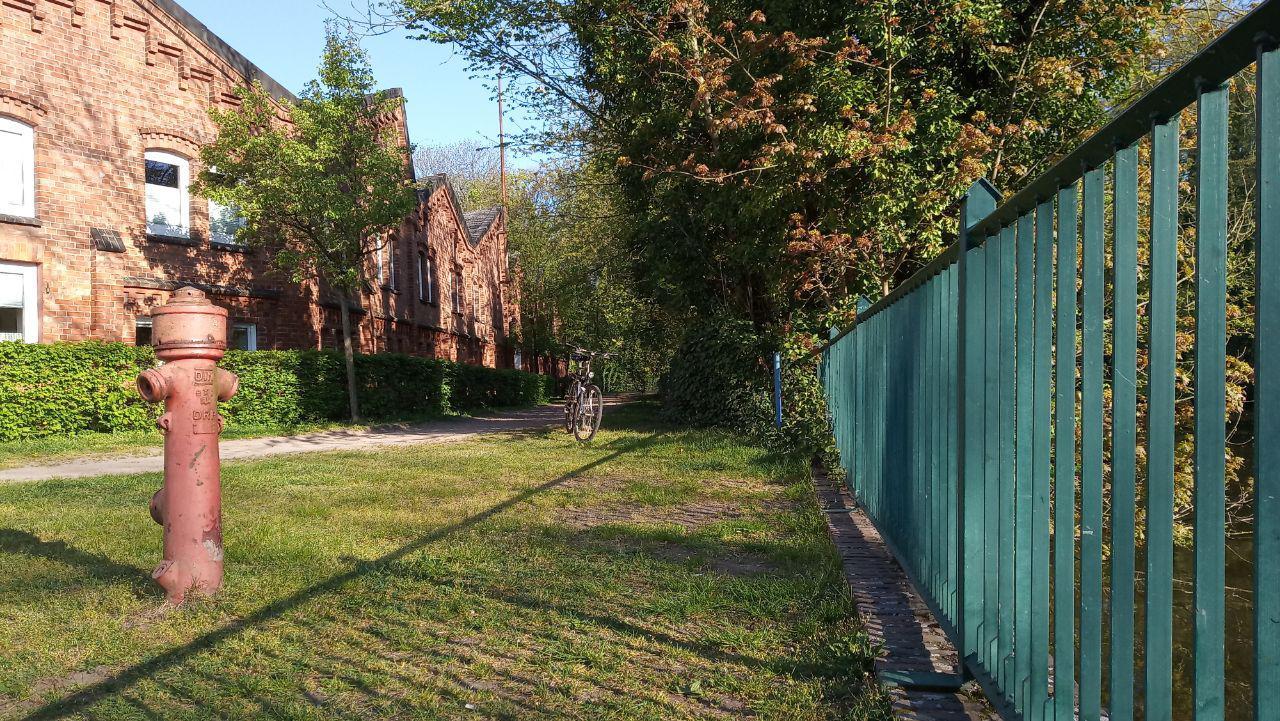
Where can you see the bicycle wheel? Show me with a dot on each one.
(570, 408)
(570, 414)
(589, 415)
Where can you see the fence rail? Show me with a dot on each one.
(987, 407)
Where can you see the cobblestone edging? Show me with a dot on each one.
(918, 663)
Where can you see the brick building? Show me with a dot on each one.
(103, 108)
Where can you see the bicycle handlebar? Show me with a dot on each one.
(578, 353)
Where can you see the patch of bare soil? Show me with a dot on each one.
(46, 687)
(147, 617)
(730, 564)
(690, 517)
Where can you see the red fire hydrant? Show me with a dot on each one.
(190, 334)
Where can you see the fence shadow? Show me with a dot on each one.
(96, 565)
(126, 678)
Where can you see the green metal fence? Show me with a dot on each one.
(970, 408)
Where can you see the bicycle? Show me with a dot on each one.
(583, 403)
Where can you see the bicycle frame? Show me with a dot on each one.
(583, 402)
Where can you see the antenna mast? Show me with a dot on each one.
(502, 147)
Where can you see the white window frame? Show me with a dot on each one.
(215, 210)
(183, 229)
(458, 296)
(30, 301)
(392, 282)
(251, 336)
(422, 279)
(431, 279)
(26, 140)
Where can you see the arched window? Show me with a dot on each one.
(225, 221)
(17, 169)
(426, 279)
(393, 280)
(225, 224)
(168, 194)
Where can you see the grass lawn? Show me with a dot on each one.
(654, 574)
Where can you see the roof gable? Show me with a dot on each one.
(475, 224)
(232, 57)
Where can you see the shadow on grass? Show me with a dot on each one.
(134, 674)
(94, 564)
(836, 653)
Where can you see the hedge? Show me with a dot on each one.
(69, 388)
(721, 377)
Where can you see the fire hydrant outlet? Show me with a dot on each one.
(228, 385)
(153, 386)
(191, 336)
(157, 507)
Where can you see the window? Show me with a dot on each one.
(382, 275)
(18, 318)
(142, 331)
(168, 202)
(17, 169)
(225, 224)
(244, 336)
(394, 280)
(425, 279)
(457, 292)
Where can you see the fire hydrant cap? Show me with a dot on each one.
(189, 325)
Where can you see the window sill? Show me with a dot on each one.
(431, 303)
(229, 247)
(173, 239)
(21, 220)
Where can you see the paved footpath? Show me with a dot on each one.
(449, 431)
(918, 663)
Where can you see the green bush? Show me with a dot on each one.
(48, 390)
(718, 377)
(69, 388)
(472, 387)
(722, 376)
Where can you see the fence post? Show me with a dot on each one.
(777, 389)
(857, 375)
(1267, 349)
(979, 201)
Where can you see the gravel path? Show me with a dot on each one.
(436, 432)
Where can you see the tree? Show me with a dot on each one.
(783, 156)
(579, 282)
(473, 172)
(320, 181)
(779, 158)
(1185, 31)
(576, 275)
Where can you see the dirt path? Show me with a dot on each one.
(436, 432)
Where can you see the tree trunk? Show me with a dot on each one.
(349, 353)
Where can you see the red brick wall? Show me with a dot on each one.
(102, 82)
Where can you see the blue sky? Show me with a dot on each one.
(284, 38)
